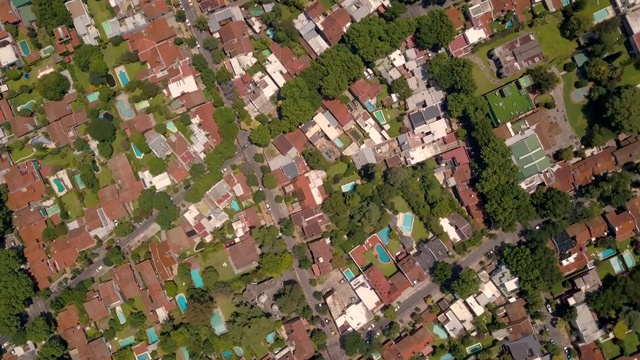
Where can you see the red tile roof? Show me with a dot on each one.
(178, 240)
(39, 265)
(129, 187)
(338, 110)
(322, 254)
(95, 350)
(67, 318)
(158, 31)
(597, 164)
(96, 309)
(411, 269)
(177, 171)
(108, 293)
(211, 5)
(243, 254)
(459, 156)
(192, 99)
(590, 352)
(597, 227)
(287, 58)
(5, 110)
(56, 110)
(387, 289)
(156, 298)
(181, 148)
(126, 281)
(234, 37)
(64, 254)
(364, 90)
(30, 234)
(75, 337)
(623, 224)
(21, 125)
(314, 10)
(7, 15)
(334, 26)
(419, 342)
(141, 123)
(298, 337)
(580, 232)
(163, 260)
(208, 122)
(154, 8)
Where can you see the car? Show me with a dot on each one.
(372, 326)
(245, 146)
(397, 307)
(109, 247)
(224, 169)
(99, 268)
(268, 206)
(377, 333)
(548, 306)
(186, 187)
(322, 323)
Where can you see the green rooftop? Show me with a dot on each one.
(26, 13)
(19, 3)
(529, 156)
(509, 102)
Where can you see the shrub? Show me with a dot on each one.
(569, 67)
(581, 83)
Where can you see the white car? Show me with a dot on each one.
(548, 306)
(99, 268)
(268, 206)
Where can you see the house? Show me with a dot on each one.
(339, 111)
(633, 206)
(96, 309)
(585, 170)
(158, 144)
(311, 221)
(9, 55)
(82, 22)
(141, 123)
(25, 185)
(417, 343)
(25, 10)
(387, 289)
(457, 227)
(298, 339)
(587, 282)
(518, 323)
(207, 6)
(335, 26)
(411, 269)
(153, 296)
(109, 294)
(364, 91)
(527, 348)
(235, 40)
(224, 16)
(622, 225)
(427, 121)
(590, 351)
(579, 232)
(597, 227)
(288, 59)
(322, 253)
(154, 9)
(163, 260)
(129, 188)
(243, 255)
(125, 281)
(505, 280)
(308, 189)
(63, 132)
(181, 147)
(67, 318)
(456, 17)
(629, 151)
(586, 325)
(517, 55)
(8, 14)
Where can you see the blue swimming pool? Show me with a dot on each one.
(566, 2)
(348, 187)
(185, 353)
(182, 302)
(407, 223)
(24, 47)
(124, 78)
(143, 356)
(369, 106)
(271, 338)
(379, 115)
(227, 354)
(217, 323)
(121, 317)
(139, 154)
(126, 112)
(93, 97)
(151, 334)
(627, 256)
(617, 264)
(127, 342)
(509, 24)
(238, 350)
(338, 143)
(440, 332)
(383, 256)
(60, 187)
(384, 235)
(600, 15)
(605, 254)
(234, 205)
(171, 126)
(474, 348)
(197, 279)
(447, 357)
(349, 275)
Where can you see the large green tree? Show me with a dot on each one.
(452, 73)
(622, 109)
(40, 329)
(435, 30)
(18, 287)
(552, 203)
(53, 86)
(101, 130)
(352, 343)
(543, 80)
(51, 13)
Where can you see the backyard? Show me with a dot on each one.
(218, 260)
(72, 205)
(387, 268)
(100, 12)
(573, 110)
(419, 230)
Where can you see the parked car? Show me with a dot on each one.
(548, 306)
(99, 268)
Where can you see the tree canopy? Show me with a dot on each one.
(352, 343)
(53, 86)
(452, 73)
(51, 13)
(101, 130)
(434, 30)
(622, 108)
(543, 80)
(552, 203)
(18, 287)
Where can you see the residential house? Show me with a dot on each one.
(235, 38)
(505, 280)
(25, 9)
(322, 253)
(129, 188)
(585, 170)
(587, 282)
(141, 123)
(631, 22)
(308, 189)
(154, 9)
(457, 227)
(633, 206)
(153, 296)
(311, 221)
(365, 91)
(207, 6)
(163, 259)
(125, 281)
(82, 22)
(629, 151)
(9, 55)
(64, 131)
(224, 16)
(517, 320)
(527, 348)
(517, 55)
(411, 269)
(597, 227)
(335, 26)
(288, 59)
(243, 255)
(622, 225)
(203, 117)
(96, 309)
(359, 9)
(109, 294)
(590, 351)
(298, 339)
(586, 325)
(8, 13)
(387, 289)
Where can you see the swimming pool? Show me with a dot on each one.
(627, 256)
(271, 338)
(348, 187)
(185, 353)
(383, 256)
(447, 357)
(139, 154)
(235, 206)
(338, 143)
(59, 185)
(617, 264)
(47, 51)
(197, 279)
(171, 126)
(440, 332)
(121, 317)
(600, 15)
(107, 27)
(52, 210)
(124, 78)
(349, 275)
(217, 322)
(24, 47)
(238, 350)
(407, 223)
(384, 235)
(151, 334)
(566, 2)
(271, 33)
(28, 105)
(474, 348)
(182, 302)
(93, 96)
(143, 356)
(142, 105)
(380, 117)
(126, 112)
(369, 106)
(79, 181)
(509, 24)
(127, 342)
(605, 254)
(227, 354)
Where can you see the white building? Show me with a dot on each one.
(586, 325)
(9, 55)
(463, 314)
(329, 127)
(364, 291)
(82, 22)
(160, 182)
(183, 86)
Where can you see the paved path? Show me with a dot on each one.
(559, 114)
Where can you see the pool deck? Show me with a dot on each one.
(357, 254)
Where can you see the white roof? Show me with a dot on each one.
(632, 20)
(331, 131)
(364, 291)
(586, 324)
(357, 315)
(183, 86)
(421, 153)
(453, 325)
(8, 55)
(463, 314)
(474, 35)
(397, 58)
(474, 306)
(275, 70)
(489, 293)
(450, 230)
(161, 181)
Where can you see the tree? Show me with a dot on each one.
(369, 39)
(51, 13)
(54, 349)
(140, 142)
(275, 264)
(210, 43)
(576, 25)
(552, 203)
(259, 196)
(452, 73)
(40, 329)
(287, 227)
(467, 284)
(201, 23)
(392, 330)
(105, 150)
(434, 30)
(269, 181)
(401, 87)
(315, 159)
(85, 55)
(156, 165)
(600, 71)
(81, 144)
(261, 136)
(53, 86)
(13, 74)
(181, 16)
(101, 130)
(620, 330)
(197, 170)
(543, 80)
(114, 257)
(137, 319)
(442, 272)
(622, 109)
(106, 94)
(389, 312)
(210, 276)
(352, 343)
(123, 228)
(606, 242)
(394, 11)
(319, 338)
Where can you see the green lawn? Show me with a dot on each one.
(134, 68)
(387, 269)
(257, 347)
(419, 230)
(72, 204)
(631, 343)
(554, 47)
(226, 304)
(611, 350)
(90, 199)
(100, 12)
(337, 168)
(25, 98)
(574, 110)
(23, 153)
(394, 246)
(104, 176)
(327, 4)
(593, 6)
(508, 103)
(112, 53)
(64, 159)
(346, 140)
(605, 268)
(217, 260)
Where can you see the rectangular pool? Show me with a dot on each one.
(348, 187)
(407, 223)
(197, 279)
(93, 96)
(182, 302)
(338, 143)
(380, 117)
(627, 256)
(217, 323)
(349, 275)
(234, 205)
(617, 264)
(24, 47)
(127, 342)
(151, 334)
(600, 15)
(605, 254)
